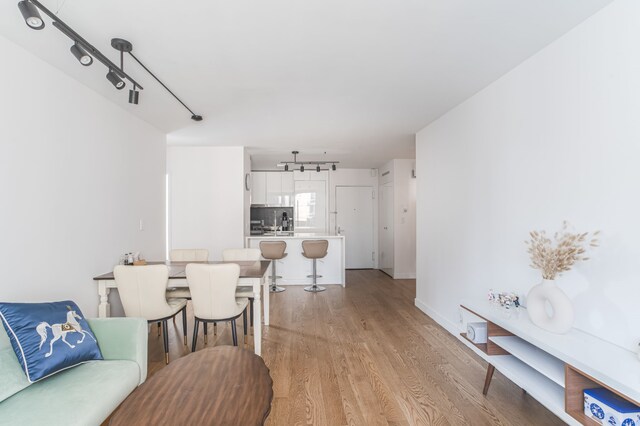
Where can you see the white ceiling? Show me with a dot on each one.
(353, 78)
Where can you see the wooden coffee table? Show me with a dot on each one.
(224, 385)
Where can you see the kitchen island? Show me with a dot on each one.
(295, 268)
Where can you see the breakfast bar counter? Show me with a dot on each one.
(295, 268)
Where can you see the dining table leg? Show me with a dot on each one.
(266, 293)
(104, 308)
(257, 318)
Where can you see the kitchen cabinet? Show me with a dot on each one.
(272, 189)
(258, 188)
(310, 174)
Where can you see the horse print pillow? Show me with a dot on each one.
(48, 337)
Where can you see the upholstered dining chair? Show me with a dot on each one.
(185, 255)
(142, 290)
(189, 255)
(213, 296)
(243, 254)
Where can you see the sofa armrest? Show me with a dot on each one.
(122, 339)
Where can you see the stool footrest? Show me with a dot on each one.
(311, 276)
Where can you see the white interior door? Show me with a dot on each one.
(354, 220)
(386, 228)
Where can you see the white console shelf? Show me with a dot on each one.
(552, 368)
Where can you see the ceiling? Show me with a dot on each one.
(355, 79)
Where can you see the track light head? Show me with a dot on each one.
(134, 96)
(81, 55)
(302, 168)
(333, 167)
(196, 117)
(286, 167)
(115, 80)
(31, 15)
(318, 168)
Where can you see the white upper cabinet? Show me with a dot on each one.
(310, 174)
(288, 190)
(258, 188)
(272, 189)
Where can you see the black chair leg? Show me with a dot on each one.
(195, 335)
(244, 324)
(206, 331)
(184, 324)
(165, 335)
(234, 332)
(251, 309)
(159, 327)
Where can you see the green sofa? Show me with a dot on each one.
(83, 395)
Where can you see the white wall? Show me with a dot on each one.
(207, 199)
(556, 138)
(399, 172)
(354, 177)
(77, 173)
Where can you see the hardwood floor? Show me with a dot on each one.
(365, 355)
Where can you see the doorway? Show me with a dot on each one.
(354, 220)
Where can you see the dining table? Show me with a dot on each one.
(252, 274)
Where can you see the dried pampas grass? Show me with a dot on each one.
(553, 257)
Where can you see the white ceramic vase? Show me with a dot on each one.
(560, 320)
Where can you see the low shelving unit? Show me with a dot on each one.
(554, 369)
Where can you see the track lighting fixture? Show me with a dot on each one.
(85, 53)
(134, 95)
(83, 57)
(115, 80)
(295, 162)
(31, 15)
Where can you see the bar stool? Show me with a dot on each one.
(274, 250)
(314, 249)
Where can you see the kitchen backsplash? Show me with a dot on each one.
(266, 214)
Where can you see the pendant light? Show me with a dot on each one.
(83, 57)
(31, 15)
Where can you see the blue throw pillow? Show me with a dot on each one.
(48, 337)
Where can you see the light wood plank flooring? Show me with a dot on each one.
(365, 355)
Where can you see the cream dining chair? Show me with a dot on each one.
(213, 296)
(142, 291)
(243, 254)
(185, 255)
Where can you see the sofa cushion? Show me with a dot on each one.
(48, 337)
(12, 378)
(82, 395)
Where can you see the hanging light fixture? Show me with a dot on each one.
(85, 53)
(83, 57)
(31, 15)
(134, 95)
(295, 162)
(115, 80)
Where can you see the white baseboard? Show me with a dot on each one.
(404, 276)
(445, 323)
